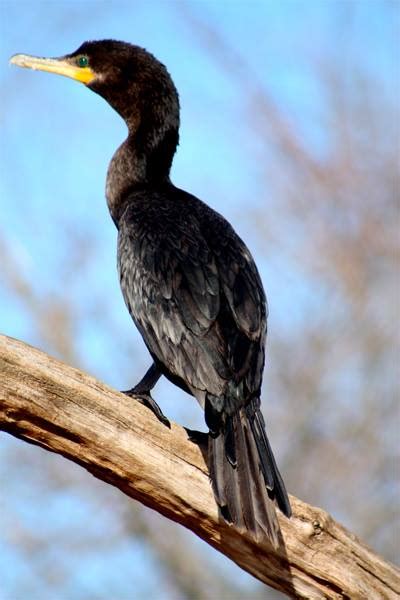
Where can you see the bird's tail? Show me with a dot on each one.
(245, 476)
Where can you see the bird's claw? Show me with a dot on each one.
(146, 399)
(197, 437)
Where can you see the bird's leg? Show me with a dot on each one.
(147, 382)
(142, 390)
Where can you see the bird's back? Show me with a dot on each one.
(192, 287)
(195, 294)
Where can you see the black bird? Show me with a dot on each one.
(188, 280)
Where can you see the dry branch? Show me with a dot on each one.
(62, 409)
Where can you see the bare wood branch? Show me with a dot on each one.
(62, 409)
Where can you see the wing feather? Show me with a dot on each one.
(194, 292)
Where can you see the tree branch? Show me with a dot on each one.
(62, 409)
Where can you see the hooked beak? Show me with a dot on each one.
(60, 66)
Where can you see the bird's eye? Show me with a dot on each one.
(82, 61)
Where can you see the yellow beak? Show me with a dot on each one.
(60, 66)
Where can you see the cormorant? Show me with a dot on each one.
(189, 282)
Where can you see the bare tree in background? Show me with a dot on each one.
(334, 225)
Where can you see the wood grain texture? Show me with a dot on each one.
(64, 410)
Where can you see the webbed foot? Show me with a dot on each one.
(147, 400)
(197, 437)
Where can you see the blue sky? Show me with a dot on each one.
(58, 137)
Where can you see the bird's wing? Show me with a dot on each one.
(240, 281)
(244, 310)
(195, 299)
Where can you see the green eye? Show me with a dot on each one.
(83, 61)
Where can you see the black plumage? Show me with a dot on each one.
(190, 285)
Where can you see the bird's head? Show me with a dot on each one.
(128, 77)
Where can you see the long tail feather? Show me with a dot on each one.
(245, 477)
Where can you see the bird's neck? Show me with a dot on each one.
(131, 168)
